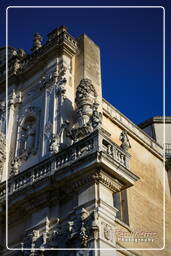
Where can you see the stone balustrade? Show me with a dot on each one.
(96, 142)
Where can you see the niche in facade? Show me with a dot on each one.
(28, 134)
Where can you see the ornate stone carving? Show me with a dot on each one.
(85, 99)
(17, 66)
(125, 141)
(28, 133)
(96, 116)
(87, 111)
(37, 42)
(2, 106)
(60, 79)
(48, 129)
(15, 166)
(60, 38)
(17, 61)
(73, 231)
(54, 144)
(21, 53)
(15, 98)
(108, 232)
(29, 137)
(56, 78)
(2, 117)
(2, 153)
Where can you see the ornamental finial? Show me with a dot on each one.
(37, 42)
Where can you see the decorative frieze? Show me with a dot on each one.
(75, 230)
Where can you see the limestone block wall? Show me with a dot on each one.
(146, 198)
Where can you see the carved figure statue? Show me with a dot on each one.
(16, 65)
(29, 138)
(125, 141)
(15, 166)
(96, 117)
(54, 145)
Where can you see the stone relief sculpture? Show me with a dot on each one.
(15, 98)
(2, 153)
(125, 141)
(54, 144)
(18, 61)
(15, 166)
(28, 131)
(75, 231)
(2, 117)
(29, 137)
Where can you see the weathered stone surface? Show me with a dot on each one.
(68, 152)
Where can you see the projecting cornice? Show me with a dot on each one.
(22, 65)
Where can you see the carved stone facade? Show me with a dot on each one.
(68, 153)
(2, 153)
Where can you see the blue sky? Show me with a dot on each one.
(130, 40)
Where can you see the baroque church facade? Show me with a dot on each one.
(82, 179)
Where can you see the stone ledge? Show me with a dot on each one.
(116, 116)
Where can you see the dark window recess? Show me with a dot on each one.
(121, 203)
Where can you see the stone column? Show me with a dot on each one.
(97, 197)
(14, 99)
